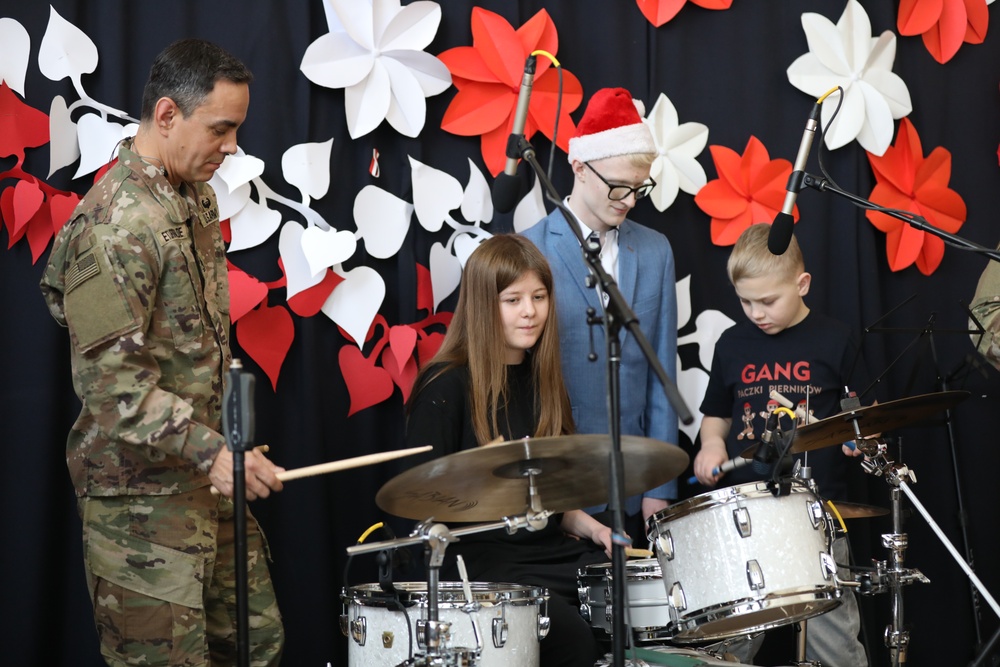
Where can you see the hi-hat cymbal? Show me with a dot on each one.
(490, 483)
(871, 420)
(849, 510)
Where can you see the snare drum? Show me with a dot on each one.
(646, 598)
(509, 622)
(740, 560)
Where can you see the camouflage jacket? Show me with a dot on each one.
(138, 276)
(986, 309)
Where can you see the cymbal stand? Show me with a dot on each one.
(891, 575)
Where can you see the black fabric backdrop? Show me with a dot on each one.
(722, 68)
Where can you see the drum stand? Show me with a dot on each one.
(891, 575)
(435, 537)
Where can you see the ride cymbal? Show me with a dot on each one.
(489, 483)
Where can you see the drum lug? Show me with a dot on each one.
(741, 517)
(544, 621)
(827, 565)
(665, 545)
(433, 634)
(755, 575)
(388, 638)
(345, 625)
(583, 592)
(676, 597)
(499, 632)
(359, 630)
(816, 514)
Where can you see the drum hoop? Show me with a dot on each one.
(721, 498)
(680, 631)
(414, 593)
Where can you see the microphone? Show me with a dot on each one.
(764, 457)
(237, 408)
(781, 229)
(506, 186)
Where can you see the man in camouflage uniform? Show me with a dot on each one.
(986, 308)
(138, 276)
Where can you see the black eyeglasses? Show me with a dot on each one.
(620, 192)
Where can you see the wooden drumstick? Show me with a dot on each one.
(345, 464)
(632, 552)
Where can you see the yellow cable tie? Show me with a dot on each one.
(542, 52)
(368, 532)
(827, 94)
(836, 513)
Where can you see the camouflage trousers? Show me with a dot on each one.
(162, 578)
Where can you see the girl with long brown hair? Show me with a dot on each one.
(497, 377)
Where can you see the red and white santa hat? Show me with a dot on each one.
(611, 126)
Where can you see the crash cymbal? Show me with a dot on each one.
(849, 510)
(488, 483)
(871, 420)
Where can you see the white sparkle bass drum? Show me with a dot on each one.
(501, 627)
(739, 560)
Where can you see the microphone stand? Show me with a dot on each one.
(237, 441)
(617, 314)
(912, 219)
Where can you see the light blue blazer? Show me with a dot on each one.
(646, 280)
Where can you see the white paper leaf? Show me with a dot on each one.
(15, 44)
(65, 51)
(683, 291)
(464, 244)
(382, 219)
(238, 170)
(252, 225)
(354, 303)
(307, 167)
(97, 139)
(477, 204)
(356, 18)
(230, 203)
(692, 383)
(298, 276)
(432, 74)
(324, 248)
(709, 325)
(530, 210)
(446, 273)
(412, 28)
(435, 195)
(63, 149)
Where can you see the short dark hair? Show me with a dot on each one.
(186, 72)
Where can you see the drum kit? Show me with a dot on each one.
(729, 563)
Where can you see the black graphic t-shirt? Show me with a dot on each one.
(814, 357)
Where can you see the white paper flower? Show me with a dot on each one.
(847, 55)
(374, 50)
(675, 168)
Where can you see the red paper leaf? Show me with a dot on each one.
(367, 384)
(310, 301)
(7, 213)
(659, 12)
(21, 126)
(402, 340)
(62, 206)
(28, 198)
(402, 378)
(978, 21)
(226, 227)
(245, 293)
(425, 289)
(266, 334)
(918, 16)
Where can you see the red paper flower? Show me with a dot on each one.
(659, 12)
(944, 24)
(908, 181)
(488, 78)
(750, 189)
